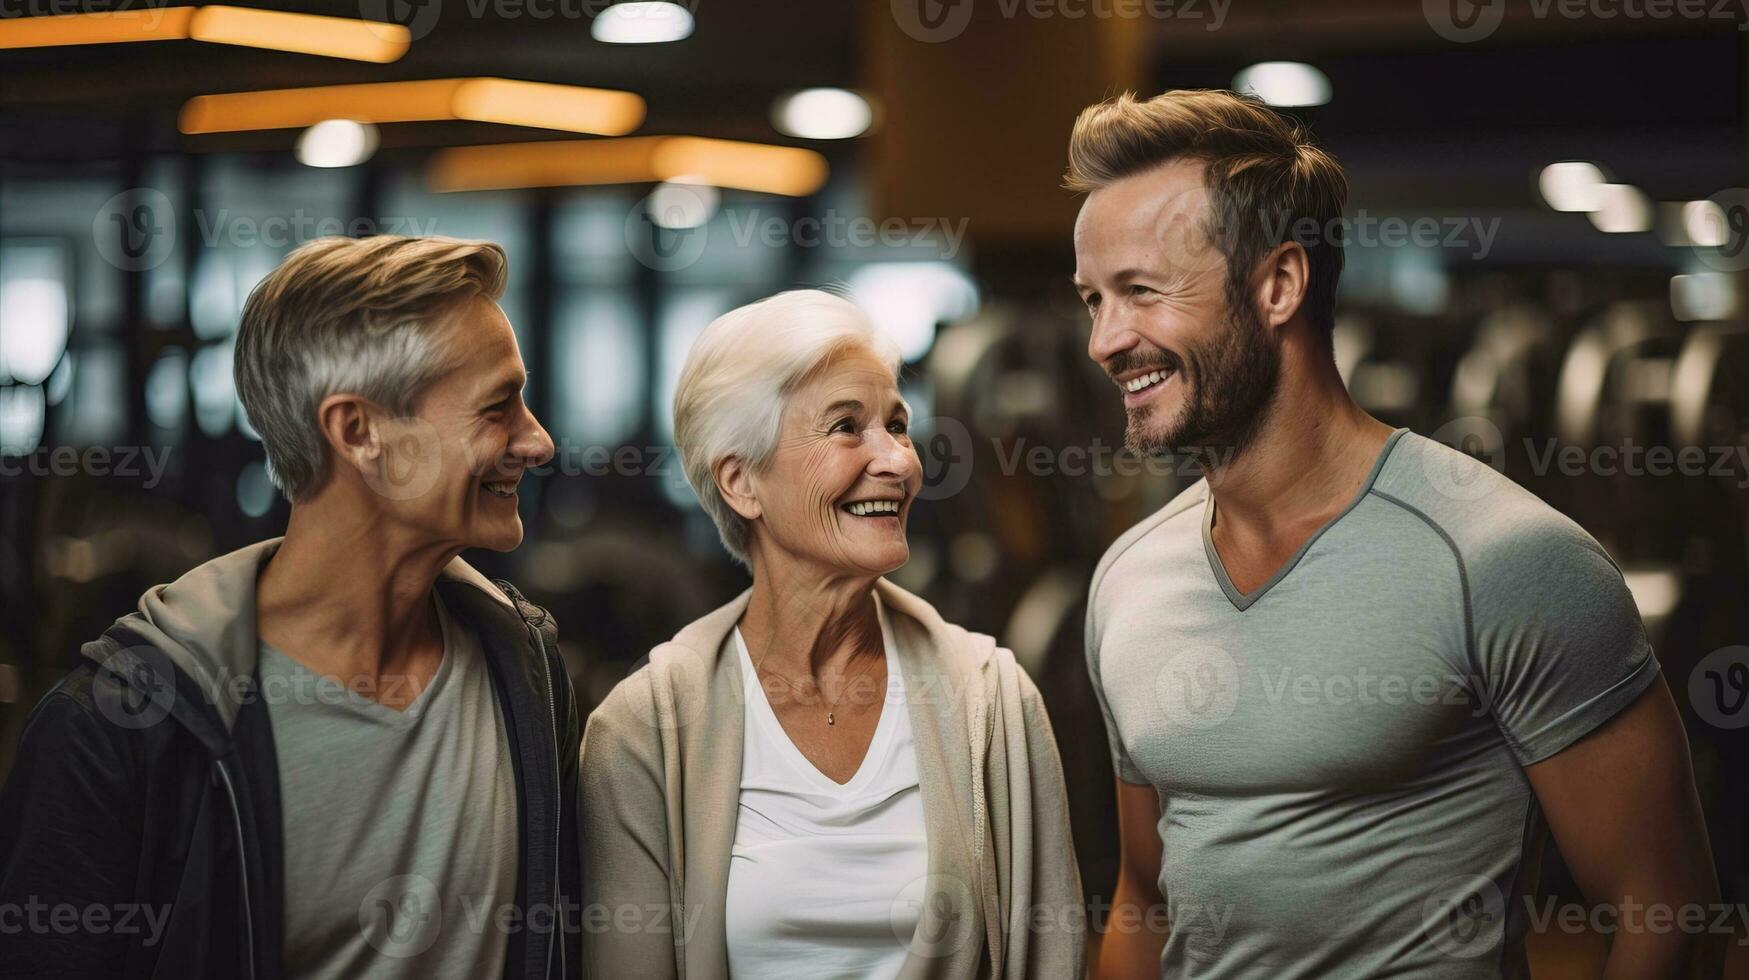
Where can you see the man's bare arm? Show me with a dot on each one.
(1622, 806)
(1136, 931)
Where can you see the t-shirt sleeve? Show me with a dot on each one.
(1121, 763)
(1558, 639)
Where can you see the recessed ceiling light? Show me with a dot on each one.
(1622, 208)
(684, 202)
(822, 114)
(1572, 185)
(1284, 83)
(642, 22)
(337, 143)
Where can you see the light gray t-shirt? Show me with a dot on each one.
(400, 826)
(1339, 754)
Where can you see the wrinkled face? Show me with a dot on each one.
(1194, 371)
(451, 471)
(837, 491)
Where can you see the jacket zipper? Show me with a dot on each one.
(242, 863)
(559, 809)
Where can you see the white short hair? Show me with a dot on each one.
(349, 315)
(740, 373)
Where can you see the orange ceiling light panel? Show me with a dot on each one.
(760, 167)
(599, 111)
(329, 37)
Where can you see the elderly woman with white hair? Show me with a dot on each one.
(822, 778)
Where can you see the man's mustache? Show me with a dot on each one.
(1128, 361)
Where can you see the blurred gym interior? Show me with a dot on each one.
(1545, 269)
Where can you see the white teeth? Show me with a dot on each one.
(867, 507)
(500, 489)
(1152, 378)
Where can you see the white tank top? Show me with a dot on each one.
(825, 880)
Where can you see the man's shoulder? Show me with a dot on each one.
(1489, 523)
(1178, 515)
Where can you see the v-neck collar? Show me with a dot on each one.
(878, 744)
(344, 696)
(1242, 600)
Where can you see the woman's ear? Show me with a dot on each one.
(735, 482)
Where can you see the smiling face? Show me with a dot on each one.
(450, 472)
(1195, 371)
(837, 490)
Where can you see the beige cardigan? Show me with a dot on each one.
(661, 785)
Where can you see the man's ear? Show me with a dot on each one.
(349, 424)
(1284, 276)
(735, 482)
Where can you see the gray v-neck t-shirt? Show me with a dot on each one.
(400, 827)
(1340, 754)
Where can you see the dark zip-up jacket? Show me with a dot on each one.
(140, 831)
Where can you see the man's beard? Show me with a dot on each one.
(1229, 384)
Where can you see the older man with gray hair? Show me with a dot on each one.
(343, 752)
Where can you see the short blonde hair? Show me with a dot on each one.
(1263, 171)
(739, 375)
(354, 315)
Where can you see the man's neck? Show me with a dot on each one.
(347, 595)
(1305, 461)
